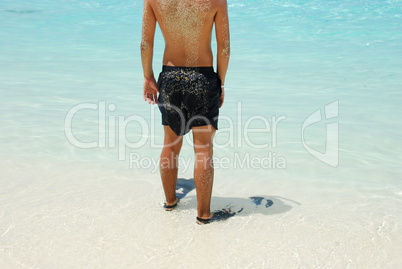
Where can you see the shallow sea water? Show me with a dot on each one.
(92, 197)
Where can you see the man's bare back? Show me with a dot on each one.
(186, 26)
(187, 29)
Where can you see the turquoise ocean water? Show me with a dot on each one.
(289, 59)
(313, 104)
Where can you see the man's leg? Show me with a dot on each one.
(169, 164)
(203, 168)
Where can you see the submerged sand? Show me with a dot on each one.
(92, 215)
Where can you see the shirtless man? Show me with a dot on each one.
(189, 93)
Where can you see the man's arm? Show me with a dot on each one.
(147, 50)
(223, 42)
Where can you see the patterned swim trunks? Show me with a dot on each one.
(189, 97)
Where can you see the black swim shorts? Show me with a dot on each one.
(189, 97)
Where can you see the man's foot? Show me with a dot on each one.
(169, 207)
(217, 215)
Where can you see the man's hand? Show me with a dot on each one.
(150, 91)
(222, 99)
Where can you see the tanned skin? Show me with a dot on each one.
(187, 27)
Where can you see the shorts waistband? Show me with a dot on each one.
(206, 70)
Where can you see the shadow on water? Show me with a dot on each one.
(257, 204)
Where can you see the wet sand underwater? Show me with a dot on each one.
(94, 215)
